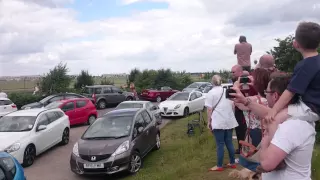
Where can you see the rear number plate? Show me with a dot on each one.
(93, 166)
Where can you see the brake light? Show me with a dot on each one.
(14, 106)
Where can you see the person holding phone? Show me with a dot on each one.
(221, 121)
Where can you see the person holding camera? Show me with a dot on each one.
(221, 121)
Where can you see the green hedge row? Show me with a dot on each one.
(23, 98)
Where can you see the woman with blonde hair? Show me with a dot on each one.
(221, 121)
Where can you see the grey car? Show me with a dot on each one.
(196, 85)
(116, 142)
(104, 95)
(149, 106)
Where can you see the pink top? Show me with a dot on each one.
(243, 51)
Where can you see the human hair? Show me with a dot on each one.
(216, 80)
(308, 35)
(261, 78)
(279, 83)
(242, 39)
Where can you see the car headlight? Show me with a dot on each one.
(75, 150)
(8, 164)
(122, 148)
(177, 106)
(14, 147)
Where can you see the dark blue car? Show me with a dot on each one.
(10, 168)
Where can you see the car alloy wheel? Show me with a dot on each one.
(158, 141)
(158, 99)
(91, 119)
(102, 104)
(29, 155)
(135, 163)
(65, 137)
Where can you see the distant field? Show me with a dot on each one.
(28, 85)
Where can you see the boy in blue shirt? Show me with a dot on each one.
(305, 81)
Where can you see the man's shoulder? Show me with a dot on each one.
(296, 126)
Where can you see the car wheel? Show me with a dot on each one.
(65, 137)
(158, 142)
(29, 155)
(186, 112)
(158, 99)
(135, 163)
(91, 119)
(102, 104)
(129, 98)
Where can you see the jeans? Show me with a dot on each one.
(256, 136)
(224, 137)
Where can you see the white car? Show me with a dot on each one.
(27, 133)
(6, 106)
(208, 88)
(182, 104)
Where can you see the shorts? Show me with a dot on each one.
(302, 112)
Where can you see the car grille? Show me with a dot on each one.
(165, 109)
(98, 157)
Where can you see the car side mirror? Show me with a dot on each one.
(41, 127)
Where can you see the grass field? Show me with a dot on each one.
(28, 85)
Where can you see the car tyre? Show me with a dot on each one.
(102, 104)
(29, 155)
(65, 137)
(158, 99)
(185, 112)
(91, 119)
(158, 142)
(135, 163)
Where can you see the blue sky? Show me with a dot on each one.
(89, 10)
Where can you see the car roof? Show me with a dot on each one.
(132, 102)
(123, 112)
(72, 99)
(28, 112)
(99, 86)
(2, 98)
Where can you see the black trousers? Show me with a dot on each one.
(242, 128)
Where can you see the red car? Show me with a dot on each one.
(79, 110)
(157, 95)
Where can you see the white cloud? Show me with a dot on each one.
(197, 35)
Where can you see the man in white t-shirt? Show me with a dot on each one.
(292, 143)
(3, 94)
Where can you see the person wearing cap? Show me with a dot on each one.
(243, 51)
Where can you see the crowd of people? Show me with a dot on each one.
(273, 113)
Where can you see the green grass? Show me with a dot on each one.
(316, 163)
(182, 157)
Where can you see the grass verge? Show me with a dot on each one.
(188, 158)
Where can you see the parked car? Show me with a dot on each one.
(79, 110)
(152, 108)
(27, 133)
(196, 85)
(208, 88)
(182, 104)
(52, 98)
(107, 94)
(116, 142)
(6, 106)
(157, 95)
(10, 168)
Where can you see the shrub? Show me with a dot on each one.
(23, 98)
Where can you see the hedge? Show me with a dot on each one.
(23, 98)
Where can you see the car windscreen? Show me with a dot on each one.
(5, 102)
(207, 89)
(17, 123)
(54, 104)
(181, 96)
(194, 85)
(129, 105)
(109, 127)
(44, 100)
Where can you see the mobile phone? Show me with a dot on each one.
(244, 79)
(228, 92)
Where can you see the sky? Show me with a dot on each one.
(115, 36)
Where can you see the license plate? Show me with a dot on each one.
(93, 166)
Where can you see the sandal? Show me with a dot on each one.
(216, 168)
(232, 166)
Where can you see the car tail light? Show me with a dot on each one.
(14, 106)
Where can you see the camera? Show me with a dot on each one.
(244, 79)
(229, 91)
